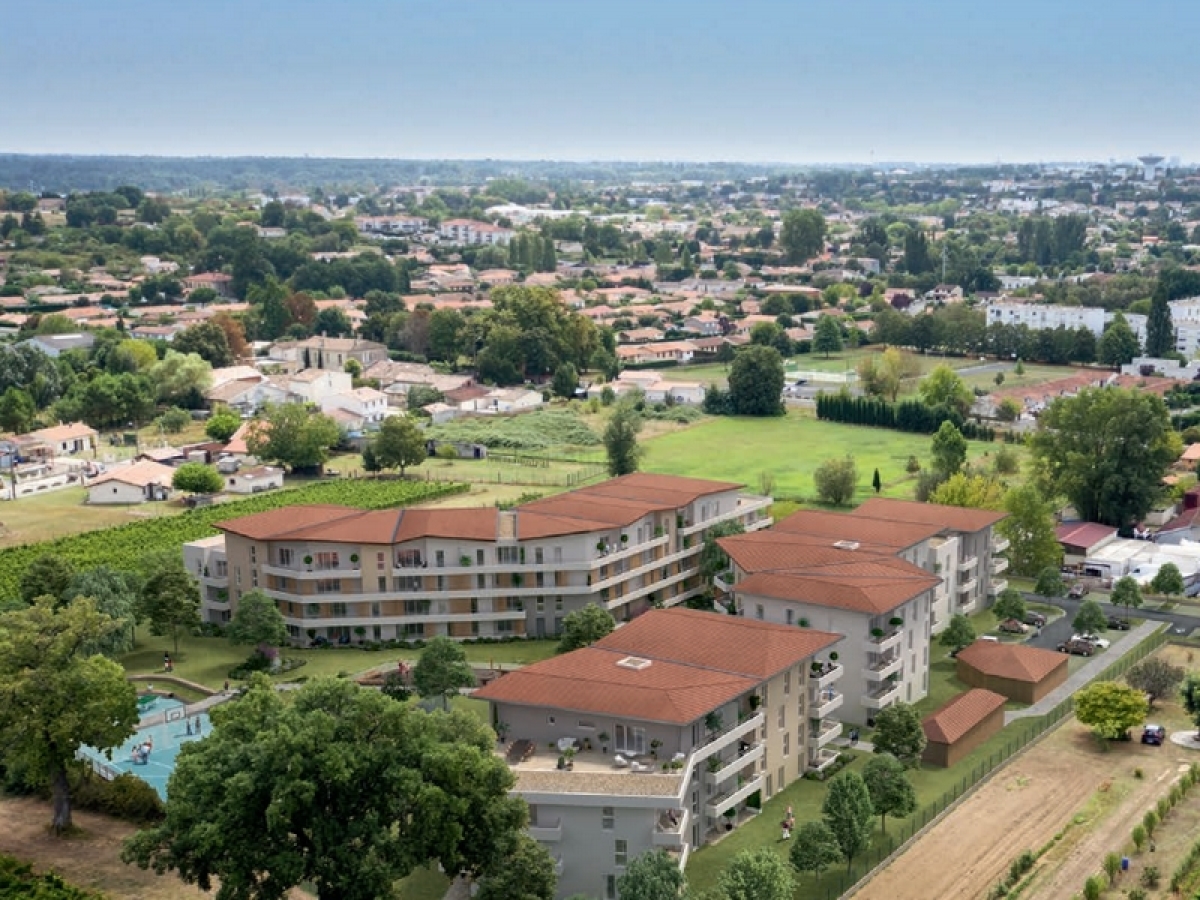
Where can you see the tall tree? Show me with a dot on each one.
(17, 411)
(1118, 345)
(620, 440)
(827, 338)
(958, 634)
(197, 478)
(55, 697)
(208, 341)
(1167, 580)
(337, 786)
(1160, 330)
(527, 873)
(756, 382)
(115, 595)
(441, 670)
(943, 387)
(566, 380)
(170, 601)
(1029, 528)
(814, 848)
(848, 812)
(968, 489)
(49, 575)
(891, 793)
(258, 622)
(1127, 593)
(1090, 619)
(399, 444)
(652, 876)
(584, 627)
(1010, 605)
(836, 480)
(1110, 708)
(756, 875)
(898, 731)
(1106, 450)
(1155, 677)
(1189, 695)
(291, 434)
(1050, 583)
(948, 449)
(222, 425)
(803, 235)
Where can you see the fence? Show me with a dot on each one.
(845, 883)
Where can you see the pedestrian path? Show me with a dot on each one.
(1086, 673)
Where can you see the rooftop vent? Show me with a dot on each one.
(634, 662)
(846, 545)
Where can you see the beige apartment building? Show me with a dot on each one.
(676, 727)
(629, 544)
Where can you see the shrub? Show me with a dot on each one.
(125, 797)
(1150, 821)
(1164, 807)
(1093, 888)
(17, 879)
(1139, 837)
(1151, 877)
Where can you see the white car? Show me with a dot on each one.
(1094, 639)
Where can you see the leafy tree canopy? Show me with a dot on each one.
(584, 627)
(1110, 708)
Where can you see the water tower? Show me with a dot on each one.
(1150, 164)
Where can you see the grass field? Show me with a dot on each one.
(846, 361)
(56, 514)
(791, 447)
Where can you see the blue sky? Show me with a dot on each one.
(755, 80)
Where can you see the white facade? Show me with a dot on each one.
(254, 480)
(1039, 316)
(315, 385)
(367, 403)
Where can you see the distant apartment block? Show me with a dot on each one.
(466, 231)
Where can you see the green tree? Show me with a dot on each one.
(1090, 619)
(1160, 330)
(182, 378)
(848, 813)
(1110, 708)
(294, 436)
(1189, 695)
(827, 338)
(447, 331)
(877, 482)
(1155, 677)
(803, 235)
(399, 444)
(1167, 580)
(566, 379)
(17, 411)
(1050, 583)
(756, 382)
(1118, 345)
(441, 670)
(944, 388)
(969, 489)
(170, 601)
(1029, 528)
(756, 875)
(174, 420)
(375, 787)
(222, 425)
(1126, 592)
(1008, 409)
(115, 595)
(958, 634)
(333, 322)
(898, 731)
(208, 341)
(527, 873)
(197, 478)
(836, 480)
(814, 848)
(584, 627)
(1010, 605)
(49, 575)
(620, 440)
(258, 622)
(56, 697)
(653, 875)
(891, 793)
(948, 449)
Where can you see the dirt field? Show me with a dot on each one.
(1064, 780)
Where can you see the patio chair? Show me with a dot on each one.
(620, 762)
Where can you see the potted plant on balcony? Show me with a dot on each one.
(895, 621)
(833, 657)
(654, 745)
(730, 815)
(354, 560)
(714, 765)
(464, 560)
(569, 755)
(876, 632)
(755, 702)
(803, 623)
(603, 737)
(713, 723)
(360, 633)
(308, 562)
(624, 539)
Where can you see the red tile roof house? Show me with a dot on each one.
(960, 725)
(679, 717)
(1022, 674)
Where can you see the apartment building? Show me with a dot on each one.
(629, 544)
(888, 576)
(1038, 316)
(467, 231)
(676, 726)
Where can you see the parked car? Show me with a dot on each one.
(1094, 639)
(1035, 619)
(1118, 624)
(1078, 589)
(1077, 648)
(1012, 626)
(1154, 735)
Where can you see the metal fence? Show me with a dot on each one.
(844, 883)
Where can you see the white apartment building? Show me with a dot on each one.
(1039, 316)
(680, 724)
(466, 231)
(629, 544)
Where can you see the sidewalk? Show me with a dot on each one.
(1086, 672)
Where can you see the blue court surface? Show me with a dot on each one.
(165, 738)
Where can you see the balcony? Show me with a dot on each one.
(999, 564)
(997, 586)
(965, 565)
(309, 573)
(824, 733)
(965, 587)
(830, 673)
(739, 731)
(825, 703)
(822, 760)
(723, 584)
(671, 829)
(549, 830)
(889, 640)
(735, 765)
(728, 800)
(999, 544)
(880, 669)
(882, 696)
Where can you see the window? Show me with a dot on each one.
(791, 614)
(285, 556)
(782, 715)
(441, 582)
(610, 887)
(377, 631)
(787, 682)
(607, 818)
(787, 740)
(481, 581)
(379, 559)
(409, 559)
(475, 628)
(440, 558)
(541, 604)
(558, 554)
(408, 583)
(222, 568)
(383, 584)
(338, 609)
(538, 556)
(541, 579)
(479, 557)
(474, 605)
(413, 631)
(620, 852)
(504, 627)
(550, 720)
(376, 611)
(758, 611)
(506, 555)
(416, 607)
(253, 554)
(516, 603)
(312, 611)
(558, 603)
(327, 559)
(329, 585)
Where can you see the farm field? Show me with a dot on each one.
(792, 447)
(56, 514)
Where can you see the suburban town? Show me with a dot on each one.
(438, 465)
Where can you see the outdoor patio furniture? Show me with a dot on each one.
(565, 744)
(521, 750)
(620, 762)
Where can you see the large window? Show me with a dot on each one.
(285, 556)
(329, 585)
(620, 852)
(327, 559)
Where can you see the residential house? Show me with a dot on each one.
(672, 724)
(218, 281)
(67, 440)
(628, 544)
(55, 344)
(658, 352)
(333, 353)
(131, 484)
(253, 480)
(654, 386)
(315, 385)
(509, 400)
(367, 403)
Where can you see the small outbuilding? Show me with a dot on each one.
(1022, 674)
(136, 483)
(959, 726)
(253, 480)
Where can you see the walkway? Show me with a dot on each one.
(1086, 673)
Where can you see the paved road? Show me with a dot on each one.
(1061, 629)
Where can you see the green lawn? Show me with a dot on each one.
(791, 447)
(423, 884)
(207, 661)
(846, 361)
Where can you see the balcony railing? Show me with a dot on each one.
(728, 800)
(825, 703)
(881, 669)
(965, 587)
(737, 732)
(883, 696)
(750, 757)
(997, 586)
(999, 564)
(671, 828)
(826, 676)
(824, 733)
(883, 643)
(822, 760)
(999, 544)
(546, 830)
(969, 563)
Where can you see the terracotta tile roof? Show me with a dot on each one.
(140, 474)
(1015, 662)
(68, 432)
(844, 527)
(953, 719)
(1083, 534)
(275, 522)
(344, 525)
(955, 518)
